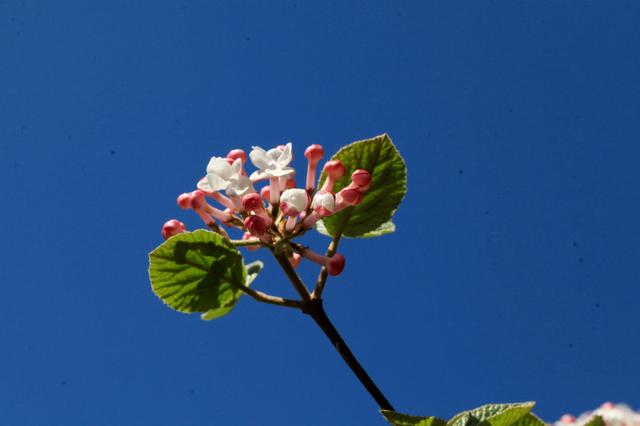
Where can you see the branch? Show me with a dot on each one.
(316, 311)
(292, 275)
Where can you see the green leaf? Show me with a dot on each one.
(595, 421)
(529, 420)
(492, 414)
(253, 269)
(398, 419)
(197, 272)
(386, 228)
(388, 171)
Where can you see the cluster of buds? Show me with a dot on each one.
(279, 211)
(612, 414)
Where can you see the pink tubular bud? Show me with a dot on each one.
(207, 212)
(314, 153)
(225, 201)
(334, 170)
(184, 201)
(248, 236)
(349, 196)
(252, 202)
(172, 227)
(237, 153)
(256, 225)
(335, 264)
(361, 178)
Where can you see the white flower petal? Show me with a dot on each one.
(281, 172)
(285, 156)
(240, 186)
(236, 167)
(274, 154)
(203, 184)
(216, 183)
(259, 158)
(258, 175)
(220, 167)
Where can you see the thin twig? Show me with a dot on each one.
(322, 277)
(245, 243)
(272, 300)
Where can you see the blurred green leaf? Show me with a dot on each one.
(596, 421)
(399, 419)
(492, 414)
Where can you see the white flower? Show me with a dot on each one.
(324, 203)
(222, 175)
(273, 163)
(294, 201)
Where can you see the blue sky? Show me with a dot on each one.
(513, 274)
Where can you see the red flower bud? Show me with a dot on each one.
(172, 227)
(334, 169)
(256, 225)
(361, 178)
(314, 153)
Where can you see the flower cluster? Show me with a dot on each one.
(279, 210)
(612, 414)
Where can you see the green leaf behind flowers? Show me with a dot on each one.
(388, 171)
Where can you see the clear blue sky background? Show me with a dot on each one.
(514, 271)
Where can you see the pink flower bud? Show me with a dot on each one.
(197, 200)
(256, 225)
(184, 201)
(335, 264)
(172, 227)
(294, 201)
(349, 196)
(314, 153)
(361, 178)
(252, 202)
(567, 418)
(237, 153)
(334, 170)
